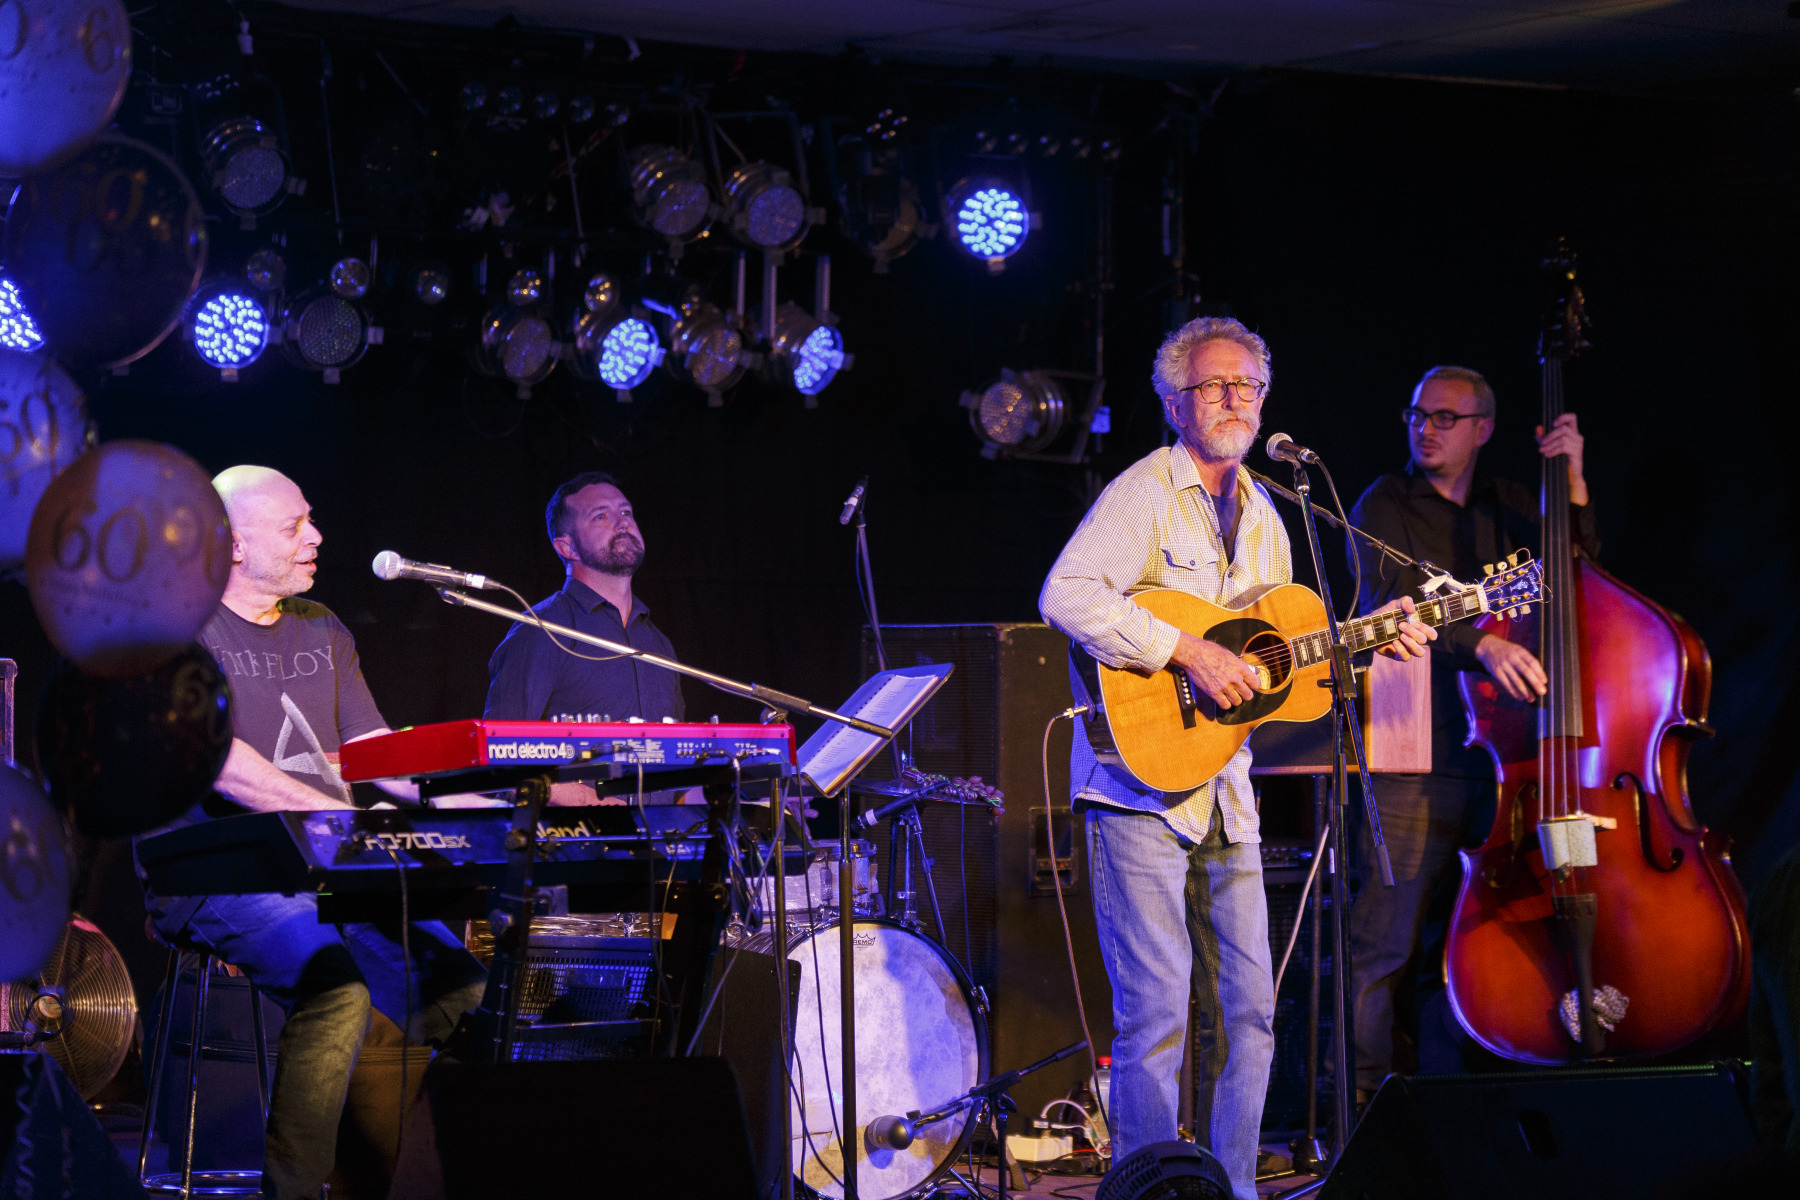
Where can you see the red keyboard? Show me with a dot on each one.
(457, 746)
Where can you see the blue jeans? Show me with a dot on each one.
(1171, 913)
(326, 977)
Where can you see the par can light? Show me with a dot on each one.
(768, 212)
(669, 193)
(1021, 412)
(806, 354)
(247, 167)
(227, 327)
(17, 330)
(322, 331)
(988, 220)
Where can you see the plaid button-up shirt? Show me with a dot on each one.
(1155, 527)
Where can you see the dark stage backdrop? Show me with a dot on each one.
(1368, 228)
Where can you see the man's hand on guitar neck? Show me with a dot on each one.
(1413, 634)
(1215, 670)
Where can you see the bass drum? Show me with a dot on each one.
(921, 1041)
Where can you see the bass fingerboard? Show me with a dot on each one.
(1378, 629)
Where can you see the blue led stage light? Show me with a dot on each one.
(990, 219)
(230, 330)
(17, 330)
(628, 353)
(817, 363)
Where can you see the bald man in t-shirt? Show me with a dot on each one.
(297, 696)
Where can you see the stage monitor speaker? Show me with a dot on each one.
(1579, 1134)
(583, 1130)
(988, 720)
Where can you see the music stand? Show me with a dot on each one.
(829, 760)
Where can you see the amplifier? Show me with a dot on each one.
(578, 973)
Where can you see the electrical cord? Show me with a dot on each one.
(405, 982)
(1068, 714)
(557, 642)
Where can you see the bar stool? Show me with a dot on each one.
(188, 1183)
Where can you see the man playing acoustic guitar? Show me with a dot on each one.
(1177, 876)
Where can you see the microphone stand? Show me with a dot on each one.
(1345, 718)
(782, 702)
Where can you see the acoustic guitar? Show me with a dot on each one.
(1173, 738)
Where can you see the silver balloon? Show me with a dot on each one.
(34, 877)
(63, 67)
(127, 557)
(106, 250)
(43, 428)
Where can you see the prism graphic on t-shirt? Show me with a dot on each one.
(312, 761)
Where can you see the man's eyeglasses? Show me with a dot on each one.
(1212, 391)
(1442, 418)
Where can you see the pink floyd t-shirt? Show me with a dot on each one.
(297, 689)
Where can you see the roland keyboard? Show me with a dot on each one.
(353, 859)
(596, 751)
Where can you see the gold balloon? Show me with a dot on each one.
(63, 67)
(43, 428)
(127, 557)
(34, 877)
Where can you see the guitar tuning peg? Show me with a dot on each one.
(1513, 559)
(1487, 568)
(1524, 610)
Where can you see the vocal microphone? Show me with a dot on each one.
(855, 501)
(388, 565)
(1282, 448)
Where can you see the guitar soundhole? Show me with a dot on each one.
(1269, 657)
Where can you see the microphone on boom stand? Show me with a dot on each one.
(388, 565)
(1282, 448)
(855, 501)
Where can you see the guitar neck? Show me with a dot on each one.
(1378, 629)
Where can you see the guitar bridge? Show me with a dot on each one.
(1184, 696)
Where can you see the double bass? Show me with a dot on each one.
(1600, 920)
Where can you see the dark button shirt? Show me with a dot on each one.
(530, 679)
(1406, 512)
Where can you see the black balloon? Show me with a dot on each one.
(106, 250)
(127, 755)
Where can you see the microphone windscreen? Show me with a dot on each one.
(387, 565)
(1273, 445)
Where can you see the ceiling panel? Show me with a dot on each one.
(1632, 42)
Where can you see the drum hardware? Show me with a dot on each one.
(906, 833)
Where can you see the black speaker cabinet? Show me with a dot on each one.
(1581, 1134)
(988, 720)
(579, 1130)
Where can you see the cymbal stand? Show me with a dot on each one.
(906, 837)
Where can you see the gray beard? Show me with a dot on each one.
(1230, 444)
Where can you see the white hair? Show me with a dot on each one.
(1169, 375)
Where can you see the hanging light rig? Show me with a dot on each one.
(806, 350)
(610, 343)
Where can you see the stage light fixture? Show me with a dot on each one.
(351, 277)
(525, 287)
(580, 110)
(670, 195)
(247, 167)
(706, 346)
(612, 345)
(266, 271)
(1019, 413)
(768, 213)
(989, 219)
(508, 101)
(431, 285)
(806, 353)
(518, 347)
(17, 330)
(322, 331)
(546, 104)
(472, 97)
(227, 327)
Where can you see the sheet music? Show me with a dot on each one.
(832, 756)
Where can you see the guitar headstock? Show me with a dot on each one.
(1512, 585)
(1566, 319)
